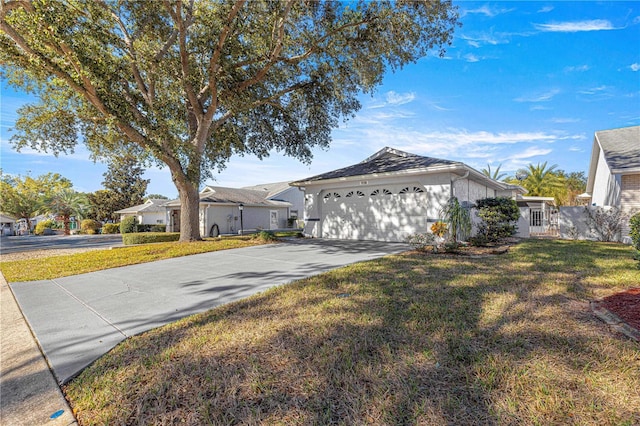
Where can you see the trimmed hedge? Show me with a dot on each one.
(90, 226)
(111, 228)
(42, 225)
(149, 237)
(634, 225)
(128, 225)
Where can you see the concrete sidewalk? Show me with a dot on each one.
(77, 319)
(29, 394)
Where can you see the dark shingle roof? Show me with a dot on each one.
(621, 147)
(224, 195)
(386, 160)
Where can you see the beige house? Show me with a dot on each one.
(390, 195)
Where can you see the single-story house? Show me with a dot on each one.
(232, 210)
(390, 195)
(151, 212)
(614, 173)
(7, 224)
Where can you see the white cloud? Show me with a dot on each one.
(470, 57)
(394, 98)
(546, 9)
(486, 10)
(635, 67)
(539, 97)
(595, 90)
(576, 26)
(561, 120)
(531, 152)
(578, 68)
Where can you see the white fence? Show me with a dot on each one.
(574, 224)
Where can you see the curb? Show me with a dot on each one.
(614, 321)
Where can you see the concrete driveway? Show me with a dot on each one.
(78, 319)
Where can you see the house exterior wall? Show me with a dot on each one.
(403, 205)
(630, 192)
(294, 196)
(227, 217)
(606, 186)
(471, 191)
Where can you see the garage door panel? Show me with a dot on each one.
(382, 217)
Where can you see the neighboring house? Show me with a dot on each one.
(151, 212)
(7, 224)
(614, 172)
(220, 211)
(282, 191)
(542, 212)
(390, 195)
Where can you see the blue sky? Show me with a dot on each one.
(523, 82)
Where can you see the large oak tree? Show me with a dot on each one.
(187, 84)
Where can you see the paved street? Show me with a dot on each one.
(23, 243)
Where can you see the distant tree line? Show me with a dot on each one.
(545, 181)
(25, 197)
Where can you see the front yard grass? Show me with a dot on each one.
(96, 260)
(406, 339)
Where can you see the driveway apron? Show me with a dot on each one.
(77, 319)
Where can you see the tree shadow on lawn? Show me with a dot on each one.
(409, 339)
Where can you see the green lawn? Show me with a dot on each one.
(96, 260)
(407, 339)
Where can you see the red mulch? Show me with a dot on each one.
(626, 306)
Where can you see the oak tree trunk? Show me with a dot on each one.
(189, 211)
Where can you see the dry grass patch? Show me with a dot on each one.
(56, 266)
(408, 339)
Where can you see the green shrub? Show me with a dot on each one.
(421, 241)
(265, 236)
(149, 237)
(42, 225)
(90, 226)
(158, 228)
(634, 233)
(128, 225)
(110, 228)
(499, 217)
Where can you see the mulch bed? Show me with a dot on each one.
(626, 305)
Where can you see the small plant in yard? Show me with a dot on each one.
(110, 228)
(128, 225)
(420, 242)
(265, 236)
(42, 225)
(90, 226)
(458, 219)
(634, 230)
(606, 223)
(498, 218)
(439, 228)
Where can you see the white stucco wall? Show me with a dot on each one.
(227, 217)
(294, 196)
(387, 217)
(606, 187)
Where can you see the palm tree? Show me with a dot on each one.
(542, 181)
(496, 175)
(458, 219)
(67, 203)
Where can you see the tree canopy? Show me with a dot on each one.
(124, 187)
(187, 84)
(25, 197)
(548, 181)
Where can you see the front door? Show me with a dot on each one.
(273, 219)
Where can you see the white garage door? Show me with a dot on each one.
(388, 213)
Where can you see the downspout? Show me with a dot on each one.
(454, 180)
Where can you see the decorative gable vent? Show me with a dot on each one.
(364, 182)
